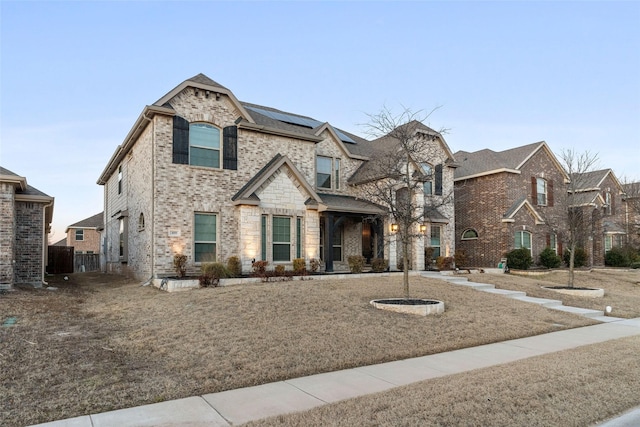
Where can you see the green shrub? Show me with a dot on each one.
(519, 259)
(279, 270)
(234, 266)
(356, 263)
(444, 262)
(314, 265)
(549, 258)
(378, 265)
(299, 266)
(635, 265)
(616, 257)
(579, 259)
(180, 264)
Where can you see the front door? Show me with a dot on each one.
(367, 242)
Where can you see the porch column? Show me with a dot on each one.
(328, 243)
(393, 251)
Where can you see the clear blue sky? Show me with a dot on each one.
(76, 75)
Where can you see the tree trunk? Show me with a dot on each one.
(571, 263)
(405, 262)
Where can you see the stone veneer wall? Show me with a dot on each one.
(7, 234)
(29, 243)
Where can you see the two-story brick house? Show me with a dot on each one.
(632, 213)
(208, 176)
(507, 200)
(601, 207)
(84, 235)
(25, 221)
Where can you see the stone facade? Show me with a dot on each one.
(142, 181)
(7, 233)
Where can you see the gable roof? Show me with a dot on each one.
(488, 162)
(523, 202)
(95, 221)
(247, 196)
(594, 180)
(349, 204)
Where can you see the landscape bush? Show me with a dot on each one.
(579, 260)
(616, 257)
(299, 266)
(378, 265)
(549, 258)
(460, 257)
(234, 266)
(314, 265)
(519, 259)
(180, 264)
(356, 263)
(259, 268)
(444, 262)
(212, 272)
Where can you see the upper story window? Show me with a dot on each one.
(204, 145)
(541, 191)
(327, 172)
(469, 234)
(79, 235)
(428, 183)
(119, 179)
(607, 201)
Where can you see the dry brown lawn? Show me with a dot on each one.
(101, 342)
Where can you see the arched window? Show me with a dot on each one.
(204, 145)
(141, 222)
(469, 234)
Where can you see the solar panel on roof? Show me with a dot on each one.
(297, 120)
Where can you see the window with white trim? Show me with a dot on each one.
(79, 235)
(553, 242)
(204, 145)
(522, 240)
(607, 201)
(541, 190)
(205, 237)
(469, 234)
(435, 240)
(327, 172)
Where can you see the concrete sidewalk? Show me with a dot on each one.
(253, 403)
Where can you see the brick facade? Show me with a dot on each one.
(498, 204)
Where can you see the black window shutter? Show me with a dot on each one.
(180, 140)
(230, 147)
(438, 180)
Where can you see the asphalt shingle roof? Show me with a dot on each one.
(94, 221)
(477, 162)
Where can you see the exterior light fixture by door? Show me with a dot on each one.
(423, 228)
(394, 228)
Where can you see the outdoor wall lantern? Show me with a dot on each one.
(394, 227)
(423, 228)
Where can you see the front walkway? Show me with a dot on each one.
(299, 394)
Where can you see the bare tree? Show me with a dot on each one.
(576, 166)
(404, 156)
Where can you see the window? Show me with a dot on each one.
(79, 235)
(263, 236)
(541, 192)
(435, 242)
(205, 237)
(141, 222)
(469, 234)
(438, 180)
(119, 179)
(336, 242)
(428, 183)
(281, 233)
(298, 237)
(607, 201)
(553, 242)
(327, 172)
(121, 237)
(204, 145)
(612, 241)
(523, 240)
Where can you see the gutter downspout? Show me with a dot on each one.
(45, 242)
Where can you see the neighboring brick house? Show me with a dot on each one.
(25, 221)
(84, 235)
(602, 209)
(208, 176)
(507, 200)
(632, 212)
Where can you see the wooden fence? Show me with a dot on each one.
(63, 260)
(86, 262)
